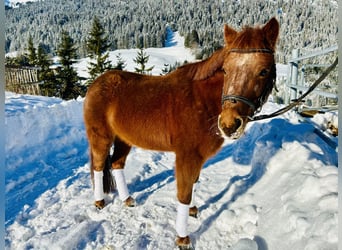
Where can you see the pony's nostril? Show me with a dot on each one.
(238, 122)
(227, 131)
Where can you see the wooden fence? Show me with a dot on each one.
(22, 80)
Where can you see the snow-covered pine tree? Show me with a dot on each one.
(192, 40)
(120, 64)
(97, 45)
(45, 74)
(141, 59)
(66, 76)
(31, 52)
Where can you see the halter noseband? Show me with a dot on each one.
(236, 98)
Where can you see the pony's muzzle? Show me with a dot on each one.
(231, 128)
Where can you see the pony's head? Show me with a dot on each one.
(250, 73)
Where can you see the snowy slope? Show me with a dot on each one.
(172, 53)
(275, 188)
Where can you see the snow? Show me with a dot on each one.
(17, 3)
(172, 53)
(274, 188)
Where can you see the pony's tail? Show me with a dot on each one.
(108, 180)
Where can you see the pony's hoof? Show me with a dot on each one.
(130, 202)
(193, 212)
(100, 204)
(183, 243)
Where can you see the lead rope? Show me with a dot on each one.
(299, 100)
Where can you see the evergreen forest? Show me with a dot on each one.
(305, 24)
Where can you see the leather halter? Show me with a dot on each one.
(235, 98)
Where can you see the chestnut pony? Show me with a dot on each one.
(187, 111)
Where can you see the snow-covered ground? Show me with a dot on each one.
(275, 188)
(172, 53)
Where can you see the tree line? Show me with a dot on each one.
(63, 81)
(307, 24)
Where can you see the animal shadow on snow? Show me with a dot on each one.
(150, 185)
(255, 149)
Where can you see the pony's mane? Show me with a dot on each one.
(206, 68)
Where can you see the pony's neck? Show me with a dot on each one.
(210, 92)
(206, 68)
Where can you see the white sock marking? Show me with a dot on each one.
(121, 183)
(182, 220)
(98, 185)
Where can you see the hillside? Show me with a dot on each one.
(305, 24)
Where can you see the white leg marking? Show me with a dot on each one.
(121, 183)
(98, 185)
(182, 220)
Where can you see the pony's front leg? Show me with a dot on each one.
(183, 239)
(187, 172)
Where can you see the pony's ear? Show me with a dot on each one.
(271, 31)
(229, 34)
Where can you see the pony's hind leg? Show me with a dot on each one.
(100, 140)
(121, 150)
(99, 171)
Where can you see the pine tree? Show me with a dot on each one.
(169, 68)
(192, 40)
(32, 56)
(46, 75)
(166, 69)
(20, 60)
(67, 78)
(120, 64)
(97, 45)
(141, 60)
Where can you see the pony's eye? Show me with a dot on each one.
(263, 72)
